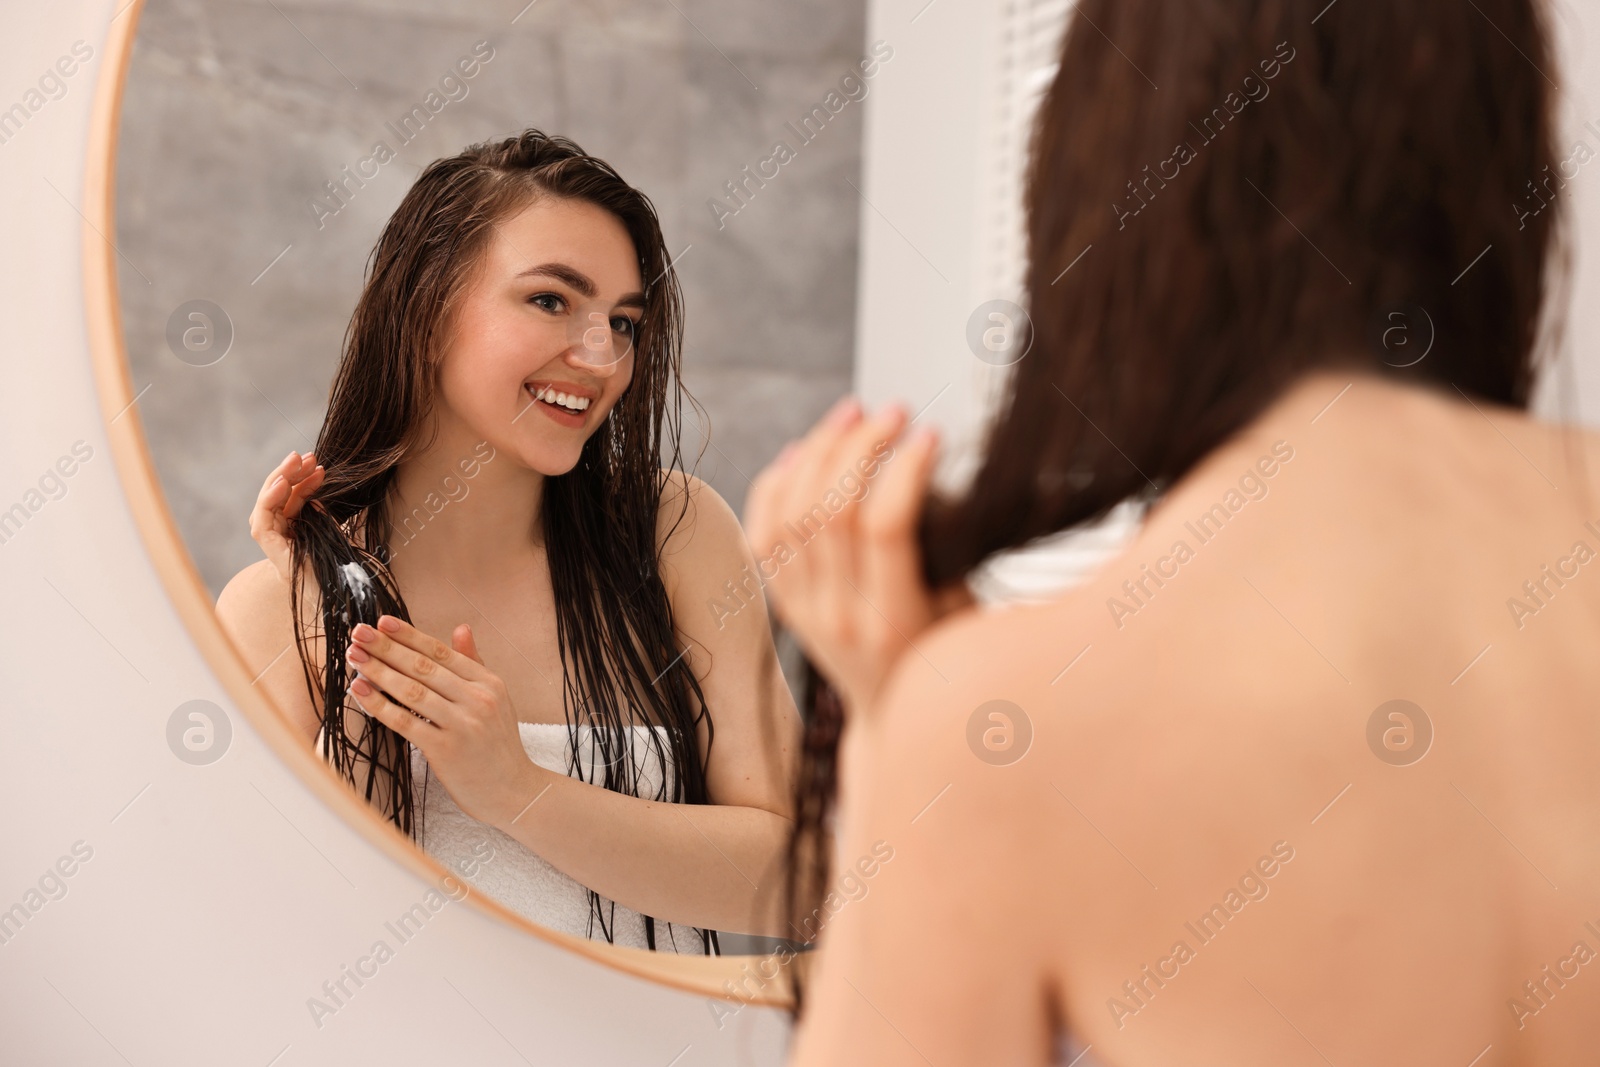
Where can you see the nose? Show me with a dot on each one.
(595, 349)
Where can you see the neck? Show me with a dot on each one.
(1302, 414)
(462, 511)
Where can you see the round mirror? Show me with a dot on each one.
(528, 284)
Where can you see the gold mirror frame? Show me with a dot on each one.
(707, 976)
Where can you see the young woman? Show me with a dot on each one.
(498, 589)
(1307, 774)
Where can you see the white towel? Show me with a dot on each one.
(520, 879)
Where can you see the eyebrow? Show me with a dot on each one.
(578, 281)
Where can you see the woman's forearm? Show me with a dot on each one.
(715, 866)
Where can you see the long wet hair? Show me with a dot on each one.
(1345, 162)
(621, 662)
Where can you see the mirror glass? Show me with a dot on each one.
(488, 421)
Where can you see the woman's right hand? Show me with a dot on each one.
(281, 498)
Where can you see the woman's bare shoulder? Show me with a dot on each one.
(955, 765)
(696, 527)
(684, 494)
(254, 607)
(256, 613)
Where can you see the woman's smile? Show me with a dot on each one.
(565, 403)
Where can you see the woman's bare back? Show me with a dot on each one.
(1225, 844)
(1445, 849)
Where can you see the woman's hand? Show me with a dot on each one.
(836, 515)
(468, 728)
(282, 496)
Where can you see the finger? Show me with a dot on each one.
(859, 449)
(761, 524)
(836, 553)
(405, 635)
(292, 460)
(279, 489)
(303, 490)
(408, 725)
(798, 500)
(426, 655)
(904, 470)
(891, 559)
(307, 464)
(403, 687)
(816, 447)
(764, 520)
(303, 477)
(265, 531)
(273, 495)
(465, 642)
(264, 516)
(850, 457)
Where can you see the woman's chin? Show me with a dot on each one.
(549, 461)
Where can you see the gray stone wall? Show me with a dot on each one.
(236, 115)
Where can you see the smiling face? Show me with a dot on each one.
(542, 344)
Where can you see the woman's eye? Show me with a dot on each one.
(624, 326)
(548, 301)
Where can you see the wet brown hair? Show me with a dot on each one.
(1343, 161)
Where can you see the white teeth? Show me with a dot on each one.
(571, 403)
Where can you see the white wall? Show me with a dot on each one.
(929, 132)
(1572, 387)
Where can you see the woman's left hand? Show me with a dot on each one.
(468, 730)
(836, 516)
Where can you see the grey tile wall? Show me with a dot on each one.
(236, 113)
